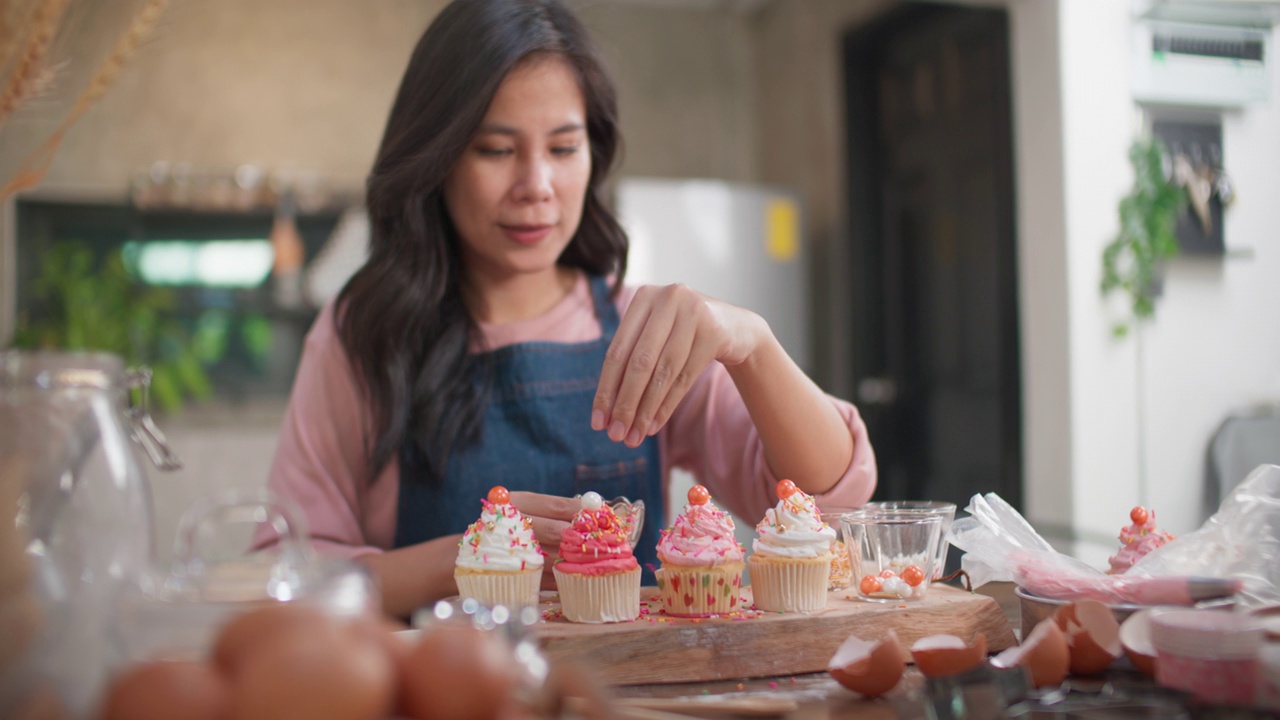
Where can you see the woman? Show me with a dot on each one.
(481, 343)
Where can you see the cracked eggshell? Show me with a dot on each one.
(867, 667)
(1135, 638)
(943, 655)
(1093, 635)
(1044, 654)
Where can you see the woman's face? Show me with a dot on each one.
(516, 194)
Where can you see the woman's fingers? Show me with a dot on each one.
(699, 356)
(651, 366)
(548, 514)
(671, 379)
(616, 359)
(553, 507)
(547, 531)
(668, 336)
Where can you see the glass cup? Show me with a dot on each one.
(892, 552)
(945, 510)
(841, 576)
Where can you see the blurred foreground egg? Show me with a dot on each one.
(866, 667)
(162, 690)
(456, 672)
(335, 668)
(249, 630)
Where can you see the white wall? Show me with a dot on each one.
(1143, 408)
(1099, 121)
(1042, 252)
(1108, 424)
(1215, 345)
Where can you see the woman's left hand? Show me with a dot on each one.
(667, 337)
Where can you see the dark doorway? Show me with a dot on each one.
(935, 318)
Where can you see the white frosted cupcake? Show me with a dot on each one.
(791, 558)
(499, 560)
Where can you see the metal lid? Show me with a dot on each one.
(50, 370)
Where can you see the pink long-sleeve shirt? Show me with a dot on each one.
(321, 458)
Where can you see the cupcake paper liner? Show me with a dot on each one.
(790, 584)
(515, 589)
(701, 591)
(614, 597)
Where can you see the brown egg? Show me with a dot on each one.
(942, 655)
(163, 690)
(1135, 637)
(866, 667)
(331, 670)
(384, 632)
(1093, 635)
(254, 627)
(20, 618)
(449, 657)
(42, 703)
(1044, 653)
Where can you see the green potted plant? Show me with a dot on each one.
(105, 309)
(1133, 262)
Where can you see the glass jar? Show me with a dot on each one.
(83, 514)
(176, 615)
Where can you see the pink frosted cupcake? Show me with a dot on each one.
(499, 560)
(597, 574)
(1137, 540)
(791, 559)
(701, 573)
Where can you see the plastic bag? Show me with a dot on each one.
(1236, 551)
(1241, 541)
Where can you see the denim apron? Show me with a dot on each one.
(537, 437)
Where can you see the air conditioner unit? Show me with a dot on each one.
(1204, 54)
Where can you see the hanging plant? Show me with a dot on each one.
(1131, 263)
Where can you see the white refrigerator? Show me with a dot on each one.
(740, 243)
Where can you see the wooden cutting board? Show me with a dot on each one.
(660, 649)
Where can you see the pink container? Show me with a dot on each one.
(1211, 654)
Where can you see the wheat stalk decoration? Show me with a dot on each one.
(30, 63)
(25, 57)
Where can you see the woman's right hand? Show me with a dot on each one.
(550, 515)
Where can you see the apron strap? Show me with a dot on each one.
(606, 311)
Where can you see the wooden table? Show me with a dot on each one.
(658, 649)
(771, 666)
(794, 697)
(815, 696)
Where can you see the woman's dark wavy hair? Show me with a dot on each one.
(402, 319)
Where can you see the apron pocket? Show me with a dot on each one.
(626, 478)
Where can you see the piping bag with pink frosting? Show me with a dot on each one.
(1040, 578)
(1000, 544)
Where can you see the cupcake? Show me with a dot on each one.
(701, 572)
(499, 560)
(1137, 540)
(791, 560)
(597, 574)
